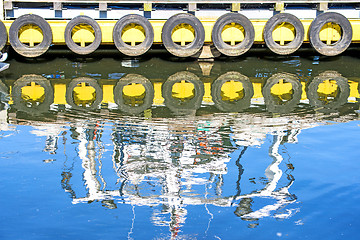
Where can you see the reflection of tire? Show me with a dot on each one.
(294, 44)
(92, 83)
(126, 48)
(23, 49)
(338, 47)
(239, 48)
(177, 106)
(3, 88)
(235, 106)
(25, 80)
(3, 35)
(75, 47)
(4, 96)
(270, 102)
(191, 48)
(340, 99)
(136, 79)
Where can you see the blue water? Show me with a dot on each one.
(67, 174)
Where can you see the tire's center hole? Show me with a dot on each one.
(133, 34)
(282, 92)
(232, 91)
(84, 95)
(183, 34)
(30, 35)
(233, 33)
(83, 35)
(134, 94)
(330, 33)
(284, 33)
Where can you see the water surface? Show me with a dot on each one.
(198, 161)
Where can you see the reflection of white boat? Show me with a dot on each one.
(4, 66)
(171, 165)
(165, 165)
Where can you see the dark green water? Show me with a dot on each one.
(258, 168)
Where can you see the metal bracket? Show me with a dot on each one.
(8, 5)
(235, 7)
(147, 7)
(103, 7)
(57, 6)
(191, 7)
(323, 6)
(279, 6)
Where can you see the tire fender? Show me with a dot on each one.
(239, 48)
(23, 49)
(191, 48)
(3, 35)
(290, 47)
(75, 47)
(338, 47)
(126, 48)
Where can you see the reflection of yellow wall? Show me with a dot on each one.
(257, 90)
(232, 91)
(34, 92)
(281, 88)
(133, 90)
(328, 87)
(181, 90)
(84, 93)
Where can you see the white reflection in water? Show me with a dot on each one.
(171, 164)
(162, 164)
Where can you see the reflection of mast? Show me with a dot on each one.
(66, 174)
(273, 174)
(87, 153)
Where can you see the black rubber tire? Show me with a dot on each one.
(20, 104)
(137, 79)
(176, 105)
(340, 100)
(75, 47)
(126, 48)
(288, 106)
(23, 49)
(191, 48)
(290, 47)
(3, 35)
(235, 106)
(93, 83)
(338, 47)
(239, 48)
